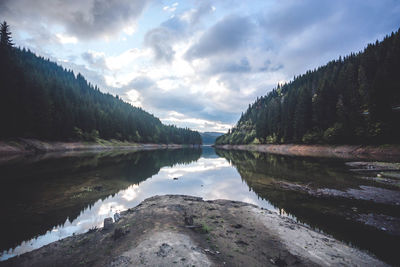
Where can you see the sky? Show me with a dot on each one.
(196, 64)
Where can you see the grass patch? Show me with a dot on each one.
(205, 228)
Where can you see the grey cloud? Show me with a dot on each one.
(288, 18)
(160, 102)
(221, 66)
(203, 9)
(225, 36)
(140, 83)
(95, 62)
(306, 34)
(268, 66)
(160, 40)
(84, 19)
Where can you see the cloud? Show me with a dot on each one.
(306, 34)
(160, 40)
(65, 39)
(171, 8)
(84, 20)
(95, 60)
(195, 15)
(203, 65)
(228, 66)
(226, 36)
(201, 125)
(141, 83)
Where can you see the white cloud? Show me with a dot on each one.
(126, 59)
(201, 125)
(171, 8)
(134, 98)
(129, 30)
(66, 39)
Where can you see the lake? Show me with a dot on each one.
(48, 197)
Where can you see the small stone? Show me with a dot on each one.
(237, 226)
(189, 219)
(175, 178)
(164, 250)
(383, 229)
(108, 223)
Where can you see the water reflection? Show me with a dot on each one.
(340, 217)
(53, 197)
(77, 193)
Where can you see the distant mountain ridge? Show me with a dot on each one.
(40, 99)
(354, 100)
(209, 138)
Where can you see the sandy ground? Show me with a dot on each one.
(175, 230)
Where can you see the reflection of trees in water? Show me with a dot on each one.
(313, 172)
(262, 173)
(38, 194)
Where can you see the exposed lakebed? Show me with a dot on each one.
(50, 197)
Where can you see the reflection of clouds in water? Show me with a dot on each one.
(210, 178)
(203, 164)
(130, 193)
(110, 208)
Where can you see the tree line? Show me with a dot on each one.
(352, 100)
(40, 99)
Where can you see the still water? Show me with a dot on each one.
(49, 197)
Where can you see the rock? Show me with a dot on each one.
(121, 261)
(119, 232)
(164, 250)
(108, 223)
(188, 219)
(241, 243)
(175, 178)
(237, 226)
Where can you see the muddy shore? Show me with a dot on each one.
(176, 230)
(34, 146)
(391, 152)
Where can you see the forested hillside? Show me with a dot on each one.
(354, 100)
(40, 99)
(209, 137)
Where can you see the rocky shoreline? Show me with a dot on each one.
(176, 230)
(391, 152)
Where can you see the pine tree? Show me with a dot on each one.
(5, 36)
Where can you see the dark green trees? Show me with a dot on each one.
(40, 99)
(355, 100)
(5, 36)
